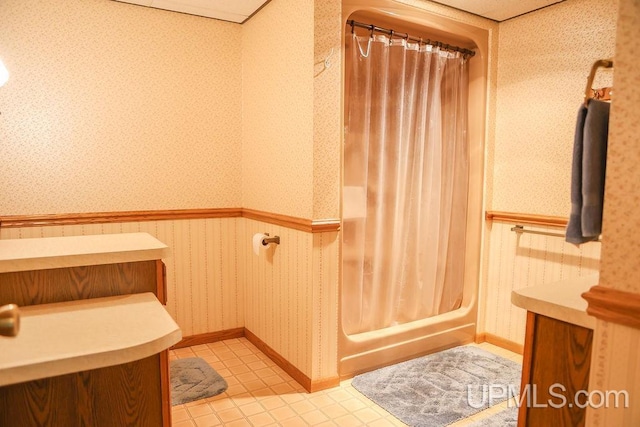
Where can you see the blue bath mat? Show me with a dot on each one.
(192, 379)
(441, 388)
(505, 418)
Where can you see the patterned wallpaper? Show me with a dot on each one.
(615, 357)
(327, 109)
(277, 109)
(544, 59)
(621, 228)
(113, 107)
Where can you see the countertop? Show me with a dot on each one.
(559, 300)
(62, 338)
(73, 251)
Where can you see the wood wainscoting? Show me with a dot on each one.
(211, 266)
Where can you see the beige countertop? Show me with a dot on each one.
(559, 300)
(73, 251)
(61, 338)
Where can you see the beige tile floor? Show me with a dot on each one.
(262, 394)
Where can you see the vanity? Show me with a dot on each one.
(557, 352)
(92, 349)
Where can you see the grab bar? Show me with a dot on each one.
(519, 229)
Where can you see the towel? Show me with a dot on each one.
(574, 226)
(594, 164)
(588, 172)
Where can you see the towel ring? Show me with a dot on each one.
(601, 63)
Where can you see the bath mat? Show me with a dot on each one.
(441, 388)
(505, 418)
(192, 379)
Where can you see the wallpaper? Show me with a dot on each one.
(621, 218)
(544, 59)
(616, 354)
(114, 107)
(277, 109)
(327, 109)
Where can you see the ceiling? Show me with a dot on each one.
(498, 10)
(241, 10)
(226, 10)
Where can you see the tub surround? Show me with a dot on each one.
(557, 351)
(61, 338)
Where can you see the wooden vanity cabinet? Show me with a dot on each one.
(83, 282)
(130, 394)
(555, 353)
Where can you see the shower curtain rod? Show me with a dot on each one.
(406, 36)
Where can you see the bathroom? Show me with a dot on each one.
(226, 130)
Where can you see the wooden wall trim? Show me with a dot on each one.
(283, 363)
(310, 385)
(209, 337)
(612, 305)
(302, 224)
(499, 342)
(523, 218)
(17, 221)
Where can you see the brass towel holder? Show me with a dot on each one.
(589, 92)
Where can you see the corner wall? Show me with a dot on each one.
(277, 109)
(616, 345)
(544, 59)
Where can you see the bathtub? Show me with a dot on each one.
(366, 351)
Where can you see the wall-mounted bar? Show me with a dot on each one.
(268, 240)
(374, 28)
(519, 229)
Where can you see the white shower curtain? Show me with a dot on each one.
(405, 182)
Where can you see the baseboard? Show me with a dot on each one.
(500, 342)
(209, 337)
(324, 384)
(295, 373)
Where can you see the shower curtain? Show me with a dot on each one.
(405, 182)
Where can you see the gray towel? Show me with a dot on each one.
(574, 227)
(588, 172)
(594, 163)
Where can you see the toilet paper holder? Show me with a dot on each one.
(267, 240)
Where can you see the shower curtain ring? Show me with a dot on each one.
(390, 37)
(371, 28)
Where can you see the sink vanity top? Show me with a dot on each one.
(560, 300)
(59, 252)
(66, 337)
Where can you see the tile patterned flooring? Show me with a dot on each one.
(261, 394)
